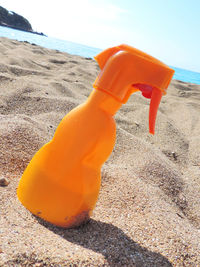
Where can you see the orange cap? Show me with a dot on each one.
(125, 70)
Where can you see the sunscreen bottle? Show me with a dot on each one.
(61, 183)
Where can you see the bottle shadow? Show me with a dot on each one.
(110, 241)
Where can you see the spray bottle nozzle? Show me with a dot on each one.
(132, 70)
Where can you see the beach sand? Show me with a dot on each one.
(148, 211)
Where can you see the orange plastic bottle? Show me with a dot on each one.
(61, 183)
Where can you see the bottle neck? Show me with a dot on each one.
(104, 101)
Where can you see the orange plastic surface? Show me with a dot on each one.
(61, 183)
(125, 70)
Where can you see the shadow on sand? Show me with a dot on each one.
(110, 241)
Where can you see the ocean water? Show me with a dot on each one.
(82, 50)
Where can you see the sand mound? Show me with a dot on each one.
(148, 210)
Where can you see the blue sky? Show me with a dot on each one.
(168, 30)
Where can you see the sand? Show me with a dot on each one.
(148, 211)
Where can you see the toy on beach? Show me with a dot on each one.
(61, 183)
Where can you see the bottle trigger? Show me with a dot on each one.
(153, 109)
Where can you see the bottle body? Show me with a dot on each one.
(61, 183)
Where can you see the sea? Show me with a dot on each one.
(82, 50)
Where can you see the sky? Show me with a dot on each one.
(168, 30)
